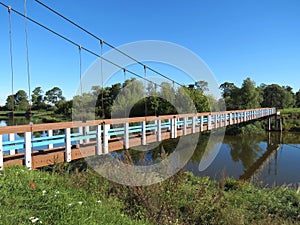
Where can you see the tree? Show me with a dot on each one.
(250, 95)
(277, 96)
(10, 102)
(298, 99)
(37, 99)
(21, 100)
(231, 95)
(54, 95)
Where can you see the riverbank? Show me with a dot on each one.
(74, 194)
(291, 119)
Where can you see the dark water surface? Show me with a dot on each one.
(270, 159)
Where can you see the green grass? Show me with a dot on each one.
(290, 110)
(27, 195)
(63, 195)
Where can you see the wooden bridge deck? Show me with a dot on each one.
(39, 145)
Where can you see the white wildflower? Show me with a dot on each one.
(34, 219)
(80, 203)
(99, 201)
(44, 192)
(57, 192)
(70, 204)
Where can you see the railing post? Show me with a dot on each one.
(245, 116)
(185, 125)
(144, 141)
(106, 127)
(126, 135)
(80, 130)
(11, 137)
(98, 140)
(27, 148)
(50, 134)
(201, 123)
(1, 153)
(209, 122)
(68, 155)
(193, 124)
(216, 121)
(174, 128)
(86, 130)
(158, 130)
(230, 119)
(221, 120)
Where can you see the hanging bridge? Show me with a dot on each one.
(38, 145)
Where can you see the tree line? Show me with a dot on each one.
(134, 98)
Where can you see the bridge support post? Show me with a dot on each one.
(193, 124)
(185, 125)
(68, 156)
(98, 140)
(158, 130)
(106, 128)
(270, 123)
(11, 137)
(144, 141)
(201, 123)
(50, 134)
(126, 136)
(209, 122)
(1, 153)
(27, 147)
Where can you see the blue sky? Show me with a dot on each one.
(236, 39)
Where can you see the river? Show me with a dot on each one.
(265, 160)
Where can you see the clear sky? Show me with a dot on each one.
(237, 39)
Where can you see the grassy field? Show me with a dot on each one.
(64, 195)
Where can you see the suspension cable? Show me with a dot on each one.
(106, 43)
(27, 59)
(11, 63)
(74, 43)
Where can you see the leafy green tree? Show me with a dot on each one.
(297, 99)
(21, 100)
(54, 95)
(277, 96)
(231, 95)
(250, 95)
(38, 99)
(10, 102)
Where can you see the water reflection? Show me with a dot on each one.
(270, 159)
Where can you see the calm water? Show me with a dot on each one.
(273, 159)
(270, 159)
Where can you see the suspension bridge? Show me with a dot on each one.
(38, 145)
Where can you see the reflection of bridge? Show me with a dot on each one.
(38, 145)
(263, 161)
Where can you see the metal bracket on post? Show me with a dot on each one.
(126, 135)
(98, 140)
(106, 127)
(144, 141)
(68, 155)
(1, 153)
(158, 130)
(27, 148)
